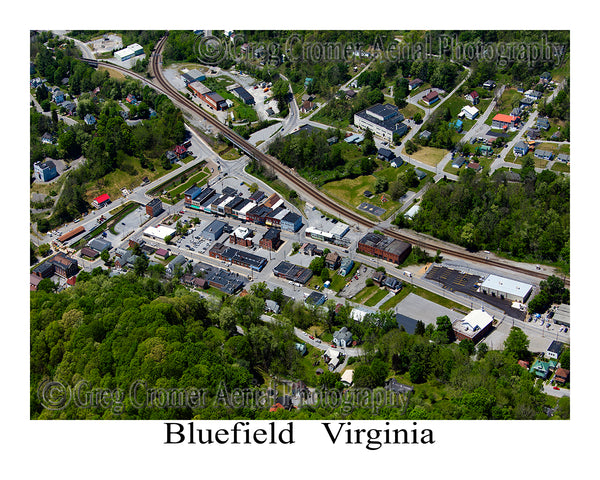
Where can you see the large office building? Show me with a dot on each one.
(383, 120)
(387, 248)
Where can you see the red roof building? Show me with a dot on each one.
(102, 200)
(431, 97)
(504, 121)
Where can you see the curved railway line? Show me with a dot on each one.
(299, 183)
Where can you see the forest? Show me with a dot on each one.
(110, 333)
(528, 220)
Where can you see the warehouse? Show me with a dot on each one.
(215, 101)
(506, 288)
(380, 246)
(243, 95)
(131, 51)
(292, 272)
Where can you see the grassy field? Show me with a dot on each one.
(428, 155)
(365, 294)
(375, 299)
(561, 167)
(200, 178)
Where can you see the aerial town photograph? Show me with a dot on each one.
(300, 225)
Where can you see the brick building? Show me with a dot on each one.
(380, 246)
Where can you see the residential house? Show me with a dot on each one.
(474, 166)
(332, 260)
(89, 119)
(58, 97)
(542, 123)
(533, 134)
(342, 338)
(425, 135)
(542, 368)
(459, 162)
(473, 97)
(431, 97)
(271, 306)
(489, 85)
(385, 154)
(520, 149)
(563, 157)
(470, 112)
(414, 84)
(526, 102)
(171, 156)
(561, 375)
(399, 388)
(543, 154)
(48, 139)
(346, 266)
(533, 94)
(172, 265)
(307, 107)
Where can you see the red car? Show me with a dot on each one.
(556, 388)
(311, 337)
(333, 346)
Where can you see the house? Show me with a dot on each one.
(172, 265)
(414, 84)
(420, 174)
(485, 150)
(332, 358)
(470, 112)
(392, 283)
(456, 125)
(350, 94)
(162, 253)
(561, 375)
(459, 162)
(554, 349)
(385, 154)
(180, 151)
(526, 102)
(47, 138)
(58, 97)
(306, 107)
(542, 368)
(533, 134)
(517, 111)
(348, 377)
(489, 85)
(35, 82)
(545, 77)
(542, 123)
(524, 364)
(533, 94)
(425, 135)
(342, 338)
(34, 281)
(563, 157)
(346, 266)
(378, 277)
(431, 97)
(473, 97)
(503, 121)
(44, 171)
(520, 149)
(271, 306)
(332, 140)
(301, 347)
(332, 260)
(543, 154)
(474, 166)
(131, 99)
(70, 107)
(89, 119)
(171, 156)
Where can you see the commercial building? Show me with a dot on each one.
(71, 234)
(271, 240)
(506, 288)
(504, 122)
(237, 257)
(215, 101)
(128, 52)
(383, 120)
(291, 222)
(241, 236)
(154, 207)
(316, 299)
(554, 349)
(45, 171)
(339, 230)
(293, 273)
(213, 231)
(99, 244)
(243, 95)
(192, 76)
(475, 326)
(101, 200)
(380, 246)
(64, 266)
(159, 232)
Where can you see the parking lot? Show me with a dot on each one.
(418, 308)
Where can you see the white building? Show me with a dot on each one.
(339, 230)
(382, 120)
(506, 288)
(470, 112)
(159, 233)
(348, 377)
(359, 314)
(130, 51)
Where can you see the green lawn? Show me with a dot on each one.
(365, 293)
(561, 167)
(375, 299)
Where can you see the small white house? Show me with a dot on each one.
(470, 112)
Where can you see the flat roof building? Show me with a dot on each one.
(214, 230)
(159, 232)
(383, 120)
(506, 288)
(380, 246)
(474, 326)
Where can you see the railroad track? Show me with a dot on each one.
(300, 184)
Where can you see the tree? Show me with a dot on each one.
(418, 117)
(47, 285)
(420, 328)
(381, 185)
(105, 256)
(517, 344)
(444, 329)
(467, 346)
(317, 265)
(482, 349)
(140, 265)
